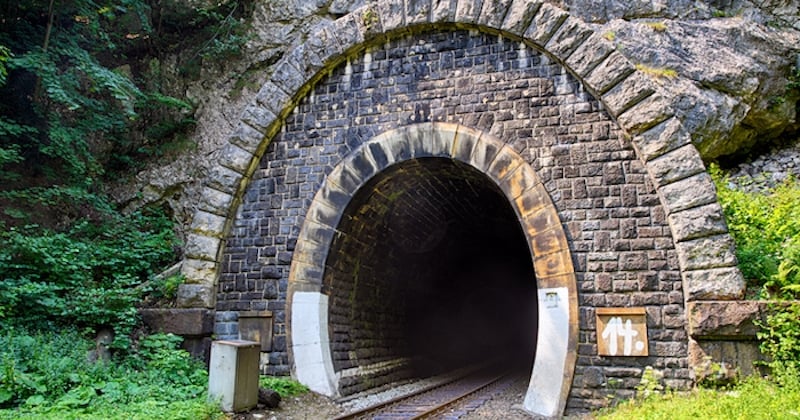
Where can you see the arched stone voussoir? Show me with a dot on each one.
(493, 12)
(725, 283)
(694, 191)
(571, 35)
(392, 14)
(610, 71)
(237, 159)
(519, 16)
(675, 165)
(589, 55)
(697, 222)
(468, 11)
(549, 241)
(628, 92)
(275, 99)
(522, 179)
(484, 150)
(663, 137)
(544, 24)
(646, 114)
(505, 162)
(531, 200)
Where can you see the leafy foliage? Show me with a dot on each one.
(780, 342)
(766, 228)
(285, 387)
(87, 275)
(47, 375)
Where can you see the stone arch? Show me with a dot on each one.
(558, 323)
(639, 107)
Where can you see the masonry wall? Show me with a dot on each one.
(620, 242)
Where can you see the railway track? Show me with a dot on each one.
(448, 400)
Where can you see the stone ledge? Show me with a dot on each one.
(179, 321)
(725, 320)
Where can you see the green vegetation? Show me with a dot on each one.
(766, 228)
(285, 387)
(754, 398)
(86, 101)
(46, 375)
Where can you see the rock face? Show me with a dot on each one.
(725, 64)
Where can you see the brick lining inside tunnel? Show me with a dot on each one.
(429, 271)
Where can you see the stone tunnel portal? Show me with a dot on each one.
(430, 271)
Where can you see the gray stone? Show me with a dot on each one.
(689, 192)
(714, 284)
(697, 222)
(675, 165)
(708, 252)
(725, 319)
(546, 21)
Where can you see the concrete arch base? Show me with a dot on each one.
(557, 331)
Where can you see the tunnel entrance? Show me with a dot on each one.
(429, 271)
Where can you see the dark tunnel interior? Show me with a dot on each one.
(430, 265)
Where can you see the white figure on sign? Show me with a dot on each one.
(616, 329)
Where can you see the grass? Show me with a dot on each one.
(284, 386)
(752, 399)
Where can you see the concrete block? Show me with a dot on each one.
(233, 374)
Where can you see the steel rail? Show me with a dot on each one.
(385, 408)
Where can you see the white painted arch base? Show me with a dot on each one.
(313, 364)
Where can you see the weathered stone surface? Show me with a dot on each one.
(708, 252)
(727, 69)
(664, 137)
(689, 192)
(418, 11)
(273, 99)
(724, 319)
(235, 158)
(202, 247)
(544, 24)
(614, 68)
(179, 321)
(215, 202)
(392, 14)
(493, 12)
(519, 15)
(627, 93)
(195, 296)
(225, 180)
(250, 135)
(443, 10)
(645, 114)
(697, 222)
(675, 165)
(572, 33)
(209, 224)
(589, 54)
(468, 11)
(714, 284)
(199, 271)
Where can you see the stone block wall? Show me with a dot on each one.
(620, 241)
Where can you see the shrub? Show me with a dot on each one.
(780, 342)
(47, 375)
(86, 276)
(766, 229)
(285, 387)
